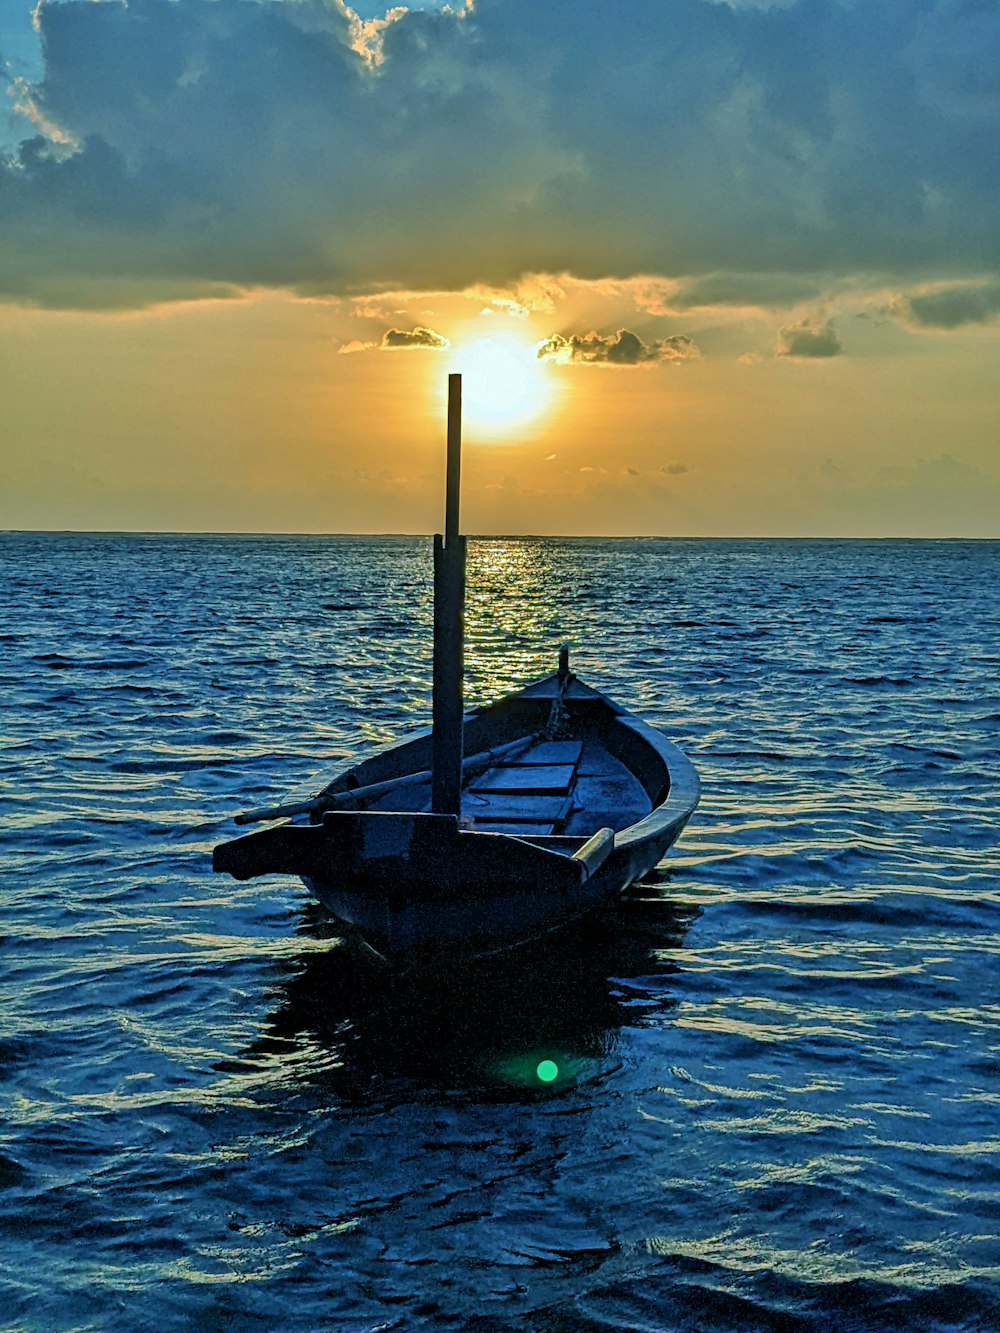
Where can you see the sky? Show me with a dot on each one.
(708, 267)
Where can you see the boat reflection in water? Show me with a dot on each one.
(532, 1023)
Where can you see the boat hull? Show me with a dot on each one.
(422, 918)
(569, 800)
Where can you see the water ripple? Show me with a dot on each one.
(779, 1070)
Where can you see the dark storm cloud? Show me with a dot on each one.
(808, 339)
(210, 142)
(623, 348)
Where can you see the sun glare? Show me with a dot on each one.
(504, 385)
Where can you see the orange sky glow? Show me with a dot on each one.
(690, 288)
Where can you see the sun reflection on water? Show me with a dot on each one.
(513, 629)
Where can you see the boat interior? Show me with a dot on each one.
(572, 787)
(560, 789)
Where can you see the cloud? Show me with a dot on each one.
(757, 291)
(810, 339)
(196, 144)
(623, 348)
(396, 339)
(536, 293)
(952, 306)
(368, 34)
(674, 469)
(679, 347)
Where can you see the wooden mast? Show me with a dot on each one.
(449, 627)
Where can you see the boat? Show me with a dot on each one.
(492, 827)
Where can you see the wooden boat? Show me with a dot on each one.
(492, 827)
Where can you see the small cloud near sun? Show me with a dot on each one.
(674, 469)
(810, 340)
(397, 340)
(623, 348)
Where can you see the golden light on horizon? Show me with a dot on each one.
(504, 385)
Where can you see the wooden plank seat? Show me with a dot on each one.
(543, 812)
(530, 794)
(549, 752)
(531, 779)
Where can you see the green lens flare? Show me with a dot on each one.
(547, 1071)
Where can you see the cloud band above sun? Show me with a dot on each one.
(184, 148)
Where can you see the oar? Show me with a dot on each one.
(337, 800)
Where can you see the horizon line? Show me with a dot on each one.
(501, 536)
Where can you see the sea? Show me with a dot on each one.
(777, 1097)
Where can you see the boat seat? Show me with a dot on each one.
(549, 752)
(530, 794)
(501, 810)
(527, 779)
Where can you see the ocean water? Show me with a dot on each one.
(778, 1100)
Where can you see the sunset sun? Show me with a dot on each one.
(504, 385)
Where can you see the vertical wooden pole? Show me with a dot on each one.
(449, 626)
(453, 481)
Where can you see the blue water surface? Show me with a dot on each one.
(777, 1103)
